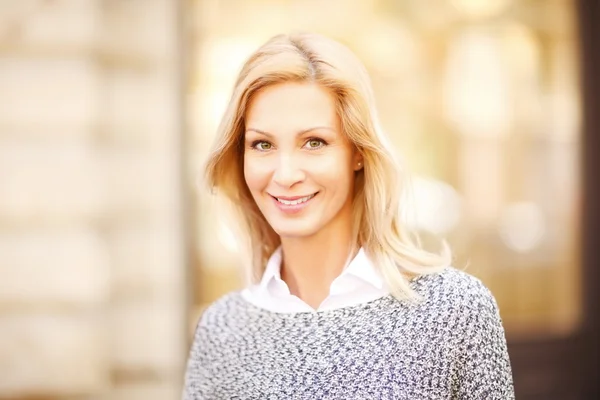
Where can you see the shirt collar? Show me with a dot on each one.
(360, 267)
(273, 269)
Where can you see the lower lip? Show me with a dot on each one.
(292, 208)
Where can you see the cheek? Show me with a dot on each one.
(337, 173)
(254, 175)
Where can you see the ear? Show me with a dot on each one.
(357, 161)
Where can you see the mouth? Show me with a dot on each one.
(292, 201)
(293, 205)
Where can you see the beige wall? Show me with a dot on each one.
(92, 298)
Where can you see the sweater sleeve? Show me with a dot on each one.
(194, 374)
(484, 370)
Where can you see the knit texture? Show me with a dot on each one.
(451, 345)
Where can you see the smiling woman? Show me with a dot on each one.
(344, 302)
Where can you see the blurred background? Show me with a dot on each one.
(110, 250)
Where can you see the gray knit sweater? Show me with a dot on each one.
(449, 346)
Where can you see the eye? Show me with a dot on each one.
(315, 143)
(261, 145)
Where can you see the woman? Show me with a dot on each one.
(344, 304)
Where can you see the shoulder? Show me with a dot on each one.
(455, 288)
(217, 313)
(461, 302)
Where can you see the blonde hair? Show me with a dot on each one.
(377, 225)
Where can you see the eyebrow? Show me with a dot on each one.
(299, 133)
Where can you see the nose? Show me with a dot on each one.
(288, 172)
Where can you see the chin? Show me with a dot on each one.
(294, 230)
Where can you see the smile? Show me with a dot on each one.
(295, 201)
(293, 205)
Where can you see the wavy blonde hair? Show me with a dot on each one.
(377, 225)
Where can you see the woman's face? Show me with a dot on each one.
(298, 164)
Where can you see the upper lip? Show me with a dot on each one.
(292, 198)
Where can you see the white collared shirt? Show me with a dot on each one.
(358, 283)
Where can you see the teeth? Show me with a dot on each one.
(297, 201)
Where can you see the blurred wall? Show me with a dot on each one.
(91, 260)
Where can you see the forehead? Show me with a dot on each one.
(292, 106)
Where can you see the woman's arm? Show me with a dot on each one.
(192, 387)
(484, 370)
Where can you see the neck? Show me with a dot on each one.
(310, 265)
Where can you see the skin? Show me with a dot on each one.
(294, 147)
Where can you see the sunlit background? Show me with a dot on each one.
(110, 248)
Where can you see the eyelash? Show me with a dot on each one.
(258, 142)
